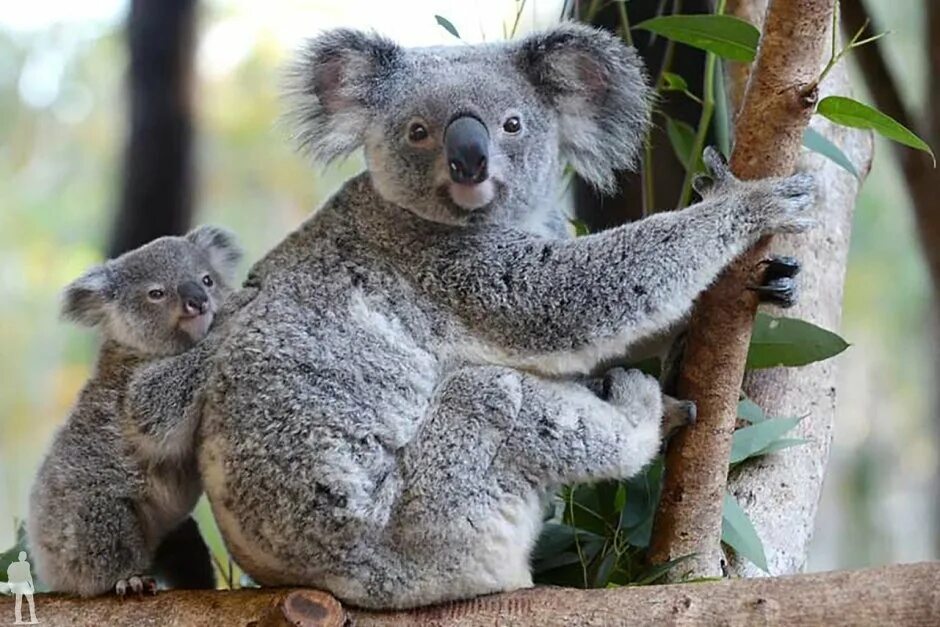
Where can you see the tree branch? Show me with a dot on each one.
(906, 595)
(768, 136)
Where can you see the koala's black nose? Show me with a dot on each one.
(467, 147)
(195, 300)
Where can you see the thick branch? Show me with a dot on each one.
(906, 595)
(768, 136)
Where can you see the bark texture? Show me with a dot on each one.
(768, 138)
(906, 595)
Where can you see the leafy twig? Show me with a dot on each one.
(855, 42)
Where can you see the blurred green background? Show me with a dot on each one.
(62, 125)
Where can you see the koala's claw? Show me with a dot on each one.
(716, 164)
(717, 169)
(137, 584)
(779, 285)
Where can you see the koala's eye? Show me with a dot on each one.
(512, 125)
(156, 294)
(417, 132)
(207, 281)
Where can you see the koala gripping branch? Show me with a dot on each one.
(776, 109)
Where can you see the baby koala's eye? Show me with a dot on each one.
(417, 132)
(512, 125)
(207, 281)
(156, 294)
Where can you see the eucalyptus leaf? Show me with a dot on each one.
(674, 82)
(447, 25)
(790, 342)
(751, 441)
(854, 114)
(682, 138)
(726, 36)
(750, 412)
(779, 445)
(652, 574)
(817, 142)
(738, 533)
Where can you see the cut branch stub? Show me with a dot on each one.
(768, 137)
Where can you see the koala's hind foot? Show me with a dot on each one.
(677, 414)
(779, 285)
(136, 584)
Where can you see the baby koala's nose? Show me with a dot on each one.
(466, 145)
(195, 300)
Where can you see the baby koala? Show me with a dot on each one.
(109, 508)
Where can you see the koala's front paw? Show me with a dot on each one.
(780, 205)
(137, 584)
(636, 394)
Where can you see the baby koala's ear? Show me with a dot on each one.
(85, 299)
(335, 85)
(220, 245)
(598, 87)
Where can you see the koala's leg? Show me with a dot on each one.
(87, 543)
(183, 560)
(474, 479)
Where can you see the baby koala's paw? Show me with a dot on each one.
(136, 584)
(636, 394)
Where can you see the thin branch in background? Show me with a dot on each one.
(515, 24)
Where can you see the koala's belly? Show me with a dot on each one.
(305, 413)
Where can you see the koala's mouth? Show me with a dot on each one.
(472, 196)
(196, 326)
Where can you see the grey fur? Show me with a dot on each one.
(389, 397)
(112, 486)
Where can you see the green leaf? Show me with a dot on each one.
(682, 138)
(738, 533)
(751, 441)
(580, 228)
(749, 411)
(781, 444)
(447, 25)
(854, 114)
(790, 342)
(728, 37)
(817, 142)
(722, 118)
(652, 574)
(674, 82)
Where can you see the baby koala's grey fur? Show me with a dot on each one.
(391, 398)
(114, 486)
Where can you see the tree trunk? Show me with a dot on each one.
(780, 492)
(906, 595)
(777, 106)
(921, 178)
(156, 189)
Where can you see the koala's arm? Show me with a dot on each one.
(161, 406)
(564, 306)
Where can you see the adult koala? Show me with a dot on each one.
(385, 405)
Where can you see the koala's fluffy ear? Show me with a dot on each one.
(221, 246)
(599, 88)
(85, 299)
(335, 83)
